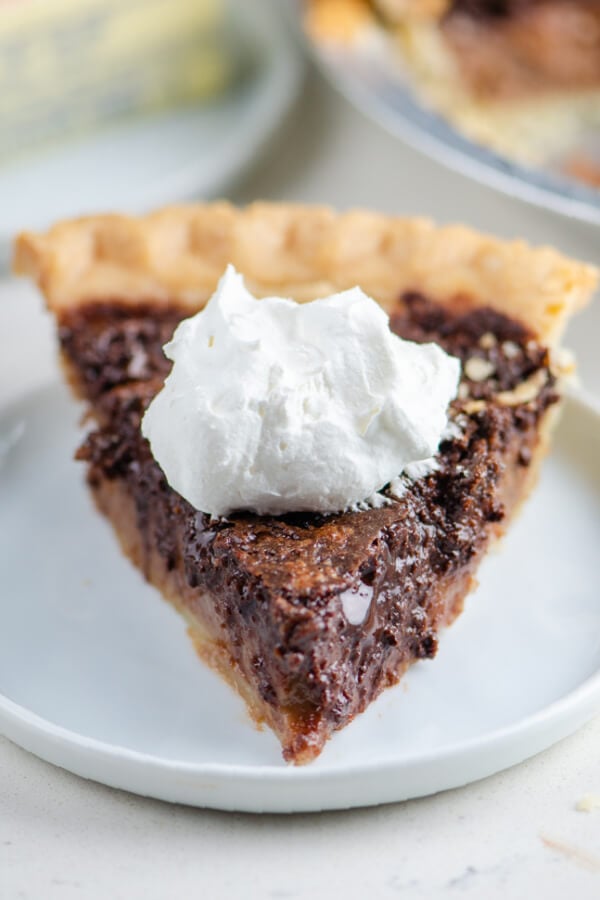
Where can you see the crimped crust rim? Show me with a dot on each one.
(177, 255)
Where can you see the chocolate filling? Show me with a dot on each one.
(509, 48)
(285, 591)
(498, 9)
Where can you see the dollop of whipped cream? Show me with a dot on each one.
(275, 406)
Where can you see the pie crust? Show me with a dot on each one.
(179, 253)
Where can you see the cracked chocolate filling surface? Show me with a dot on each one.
(320, 613)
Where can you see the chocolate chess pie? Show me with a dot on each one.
(311, 616)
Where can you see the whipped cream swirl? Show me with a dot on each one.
(275, 406)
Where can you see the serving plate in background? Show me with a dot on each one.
(370, 74)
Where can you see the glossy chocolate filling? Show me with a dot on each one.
(320, 613)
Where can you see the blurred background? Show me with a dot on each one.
(126, 105)
(115, 106)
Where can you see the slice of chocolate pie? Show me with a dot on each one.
(522, 76)
(311, 616)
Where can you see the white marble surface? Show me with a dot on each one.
(518, 834)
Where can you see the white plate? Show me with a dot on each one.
(369, 75)
(162, 158)
(98, 675)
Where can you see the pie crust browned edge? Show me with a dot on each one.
(178, 254)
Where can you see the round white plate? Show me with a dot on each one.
(98, 675)
(369, 75)
(163, 158)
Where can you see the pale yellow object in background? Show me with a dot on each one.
(67, 66)
(588, 803)
(399, 11)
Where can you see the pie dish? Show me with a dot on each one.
(311, 616)
(519, 76)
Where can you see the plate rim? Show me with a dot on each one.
(581, 698)
(211, 783)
